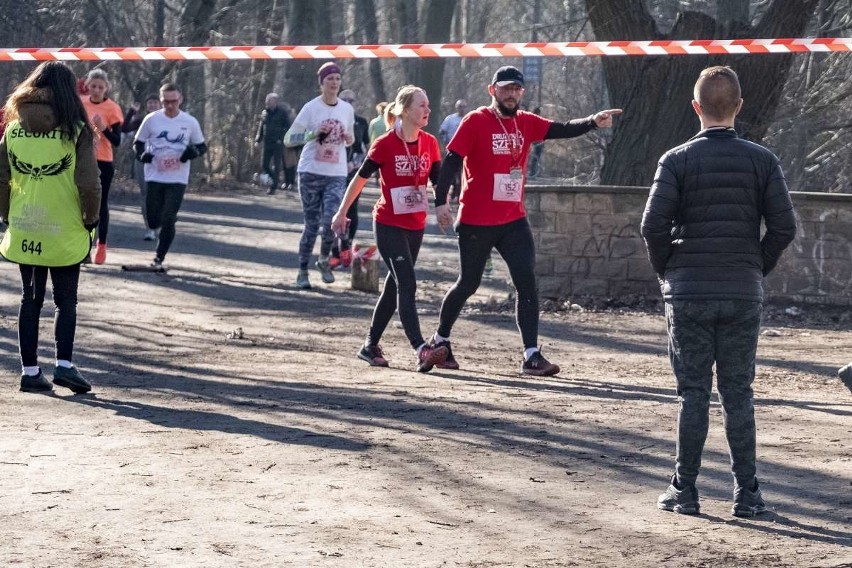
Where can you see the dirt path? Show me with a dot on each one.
(279, 448)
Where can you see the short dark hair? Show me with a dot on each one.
(168, 87)
(152, 98)
(718, 93)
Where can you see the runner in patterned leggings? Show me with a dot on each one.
(493, 143)
(325, 126)
(405, 157)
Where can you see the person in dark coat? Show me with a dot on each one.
(274, 122)
(702, 227)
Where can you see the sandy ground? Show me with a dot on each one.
(231, 425)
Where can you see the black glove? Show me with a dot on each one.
(189, 154)
(146, 157)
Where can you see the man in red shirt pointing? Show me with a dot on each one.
(492, 144)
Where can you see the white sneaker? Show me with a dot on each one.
(150, 235)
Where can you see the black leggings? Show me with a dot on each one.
(399, 249)
(163, 203)
(273, 161)
(107, 173)
(514, 242)
(34, 285)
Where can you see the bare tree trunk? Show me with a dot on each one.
(307, 27)
(366, 21)
(409, 26)
(194, 29)
(655, 91)
(437, 30)
(270, 25)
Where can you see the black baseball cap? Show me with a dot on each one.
(507, 75)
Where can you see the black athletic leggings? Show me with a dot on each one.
(163, 203)
(399, 249)
(34, 285)
(107, 173)
(514, 242)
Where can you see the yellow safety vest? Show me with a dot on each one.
(45, 215)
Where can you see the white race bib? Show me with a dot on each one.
(409, 199)
(507, 189)
(327, 153)
(167, 162)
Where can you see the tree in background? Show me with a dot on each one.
(798, 104)
(654, 91)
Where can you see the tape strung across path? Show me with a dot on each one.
(431, 50)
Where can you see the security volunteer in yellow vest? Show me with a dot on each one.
(43, 188)
(49, 196)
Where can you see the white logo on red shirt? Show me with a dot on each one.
(501, 145)
(406, 165)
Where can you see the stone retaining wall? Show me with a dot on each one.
(588, 243)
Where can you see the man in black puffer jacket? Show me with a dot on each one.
(702, 227)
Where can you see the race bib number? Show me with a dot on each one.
(328, 153)
(508, 187)
(167, 163)
(409, 199)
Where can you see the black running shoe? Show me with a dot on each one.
(538, 366)
(748, 502)
(373, 355)
(71, 378)
(35, 383)
(684, 501)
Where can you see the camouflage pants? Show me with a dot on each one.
(321, 196)
(701, 333)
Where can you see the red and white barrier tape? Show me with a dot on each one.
(431, 50)
(364, 253)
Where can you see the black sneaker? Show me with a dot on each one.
(450, 362)
(538, 366)
(683, 501)
(35, 383)
(373, 355)
(71, 378)
(748, 502)
(429, 356)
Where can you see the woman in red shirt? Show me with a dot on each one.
(406, 158)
